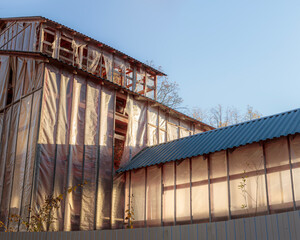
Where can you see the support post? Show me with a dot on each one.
(291, 172)
(98, 156)
(113, 154)
(208, 177)
(162, 195)
(266, 181)
(228, 183)
(191, 200)
(145, 209)
(174, 169)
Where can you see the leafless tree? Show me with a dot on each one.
(220, 116)
(167, 90)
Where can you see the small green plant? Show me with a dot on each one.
(242, 187)
(37, 220)
(129, 214)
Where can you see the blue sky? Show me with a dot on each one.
(230, 52)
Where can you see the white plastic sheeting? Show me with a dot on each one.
(118, 201)
(21, 36)
(76, 146)
(91, 140)
(295, 159)
(278, 174)
(201, 188)
(200, 202)
(4, 75)
(218, 186)
(26, 75)
(18, 129)
(106, 156)
(138, 196)
(183, 213)
(153, 203)
(168, 193)
(10, 161)
(247, 163)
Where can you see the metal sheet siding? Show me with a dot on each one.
(274, 126)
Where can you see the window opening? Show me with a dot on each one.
(117, 73)
(129, 77)
(121, 124)
(9, 96)
(65, 49)
(49, 37)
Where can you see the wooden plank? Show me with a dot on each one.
(261, 228)
(272, 230)
(185, 232)
(221, 230)
(126, 234)
(176, 234)
(293, 227)
(138, 233)
(167, 233)
(283, 226)
(193, 231)
(97, 234)
(159, 233)
(239, 229)
(230, 225)
(211, 231)
(202, 231)
(249, 228)
(296, 217)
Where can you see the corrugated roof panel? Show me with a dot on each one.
(274, 126)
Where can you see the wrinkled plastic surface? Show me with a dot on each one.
(246, 168)
(278, 174)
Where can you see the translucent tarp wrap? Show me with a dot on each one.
(94, 60)
(152, 126)
(247, 180)
(106, 151)
(200, 203)
(31, 151)
(168, 193)
(278, 174)
(138, 196)
(136, 137)
(108, 60)
(172, 128)
(75, 164)
(295, 159)
(4, 145)
(162, 127)
(20, 158)
(10, 161)
(153, 203)
(19, 36)
(91, 139)
(4, 75)
(75, 141)
(183, 191)
(62, 143)
(184, 130)
(118, 201)
(47, 137)
(218, 186)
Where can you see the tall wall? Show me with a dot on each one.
(20, 36)
(256, 179)
(76, 144)
(20, 97)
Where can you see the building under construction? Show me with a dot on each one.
(74, 110)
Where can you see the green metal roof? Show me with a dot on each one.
(261, 129)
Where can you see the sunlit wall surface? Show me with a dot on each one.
(20, 97)
(256, 179)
